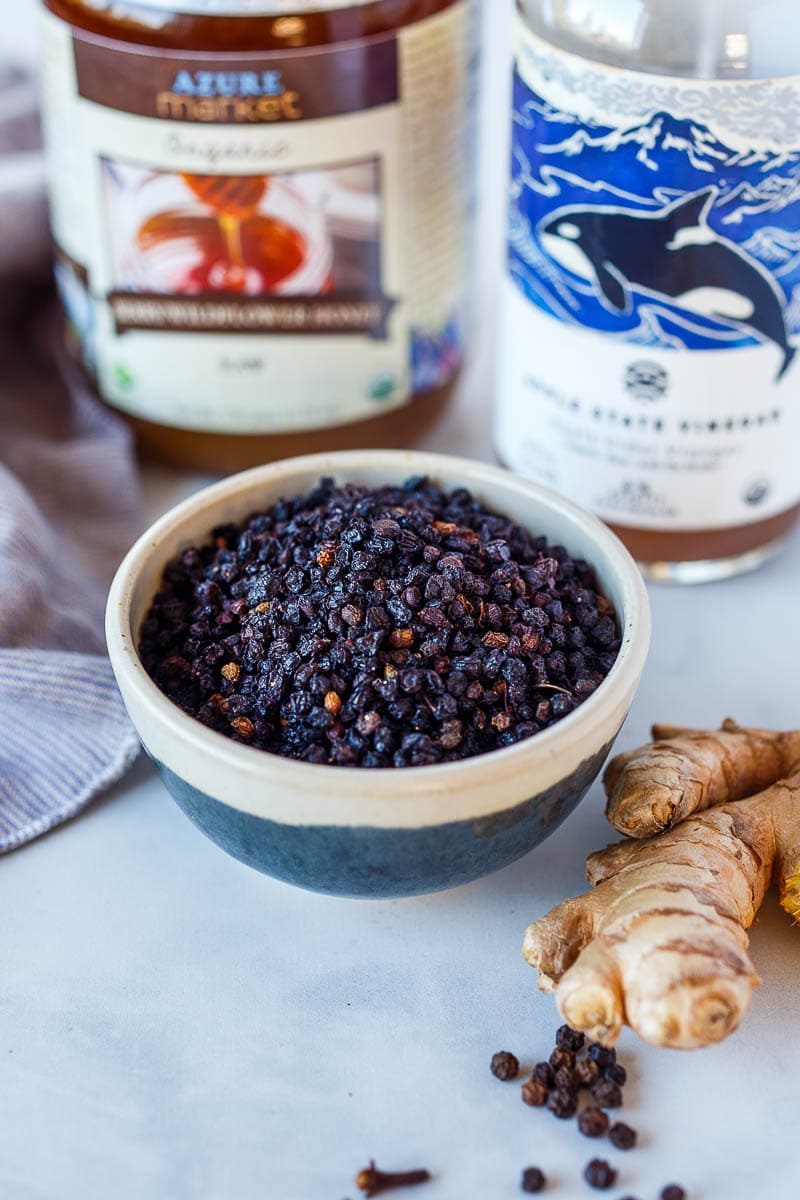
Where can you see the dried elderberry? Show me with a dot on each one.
(562, 1104)
(604, 1056)
(593, 1122)
(533, 1180)
(569, 1039)
(535, 1093)
(616, 1073)
(504, 1065)
(587, 1072)
(607, 1094)
(388, 627)
(622, 1136)
(562, 1058)
(545, 1072)
(600, 1174)
(566, 1079)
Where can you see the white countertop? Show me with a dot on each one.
(175, 1026)
(178, 1027)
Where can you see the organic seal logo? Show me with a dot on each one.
(646, 381)
(757, 492)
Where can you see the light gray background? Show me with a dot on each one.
(174, 1026)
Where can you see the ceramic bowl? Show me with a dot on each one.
(376, 833)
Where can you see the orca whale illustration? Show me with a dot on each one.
(673, 253)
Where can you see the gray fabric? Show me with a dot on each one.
(69, 508)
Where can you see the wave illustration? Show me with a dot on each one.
(560, 160)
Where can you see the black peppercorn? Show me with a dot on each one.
(593, 1122)
(504, 1065)
(569, 1039)
(604, 1056)
(607, 1094)
(587, 1072)
(600, 1174)
(545, 1072)
(562, 1104)
(622, 1136)
(616, 1073)
(533, 1180)
(673, 1192)
(535, 1093)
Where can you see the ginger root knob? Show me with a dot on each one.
(660, 943)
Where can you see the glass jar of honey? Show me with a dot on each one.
(261, 213)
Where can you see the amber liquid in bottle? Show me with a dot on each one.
(239, 250)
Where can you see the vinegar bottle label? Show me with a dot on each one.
(652, 296)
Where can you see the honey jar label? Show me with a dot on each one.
(652, 301)
(263, 242)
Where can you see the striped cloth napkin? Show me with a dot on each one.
(69, 508)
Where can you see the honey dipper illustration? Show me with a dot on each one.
(229, 244)
(232, 199)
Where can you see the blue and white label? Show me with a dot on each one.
(652, 309)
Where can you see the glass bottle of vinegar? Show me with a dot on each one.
(652, 300)
(260, 210)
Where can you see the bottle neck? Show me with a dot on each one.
(712, 39)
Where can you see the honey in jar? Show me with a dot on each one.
(260, 212)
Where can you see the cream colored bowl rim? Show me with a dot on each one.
(570, 741)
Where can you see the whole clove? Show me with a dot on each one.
(373, 1182)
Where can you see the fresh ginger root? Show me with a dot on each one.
(661, 942)
(684, 771)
